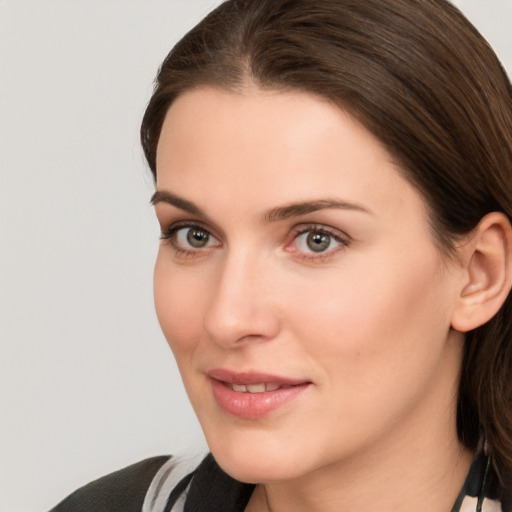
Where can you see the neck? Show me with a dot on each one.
(428, 477)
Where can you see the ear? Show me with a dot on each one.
(488, 273)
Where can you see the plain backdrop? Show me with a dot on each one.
(88, 384)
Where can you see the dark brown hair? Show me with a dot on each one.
(422, 79)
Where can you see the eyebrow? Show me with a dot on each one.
(161, 196)
(302, 208)
(273, 215)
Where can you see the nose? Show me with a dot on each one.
(241, 307)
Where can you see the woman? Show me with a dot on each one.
(334, 189)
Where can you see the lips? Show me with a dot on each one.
(253, 395)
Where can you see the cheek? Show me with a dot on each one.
(371, 317)
(378, 339)
(178, 303)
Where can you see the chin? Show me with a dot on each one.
(254, 471)
(258, 461)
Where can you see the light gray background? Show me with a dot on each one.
(88, 384)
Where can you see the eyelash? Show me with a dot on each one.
(343, 240)
(171, 232)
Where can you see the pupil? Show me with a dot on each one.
(197, 237)
(318, 242)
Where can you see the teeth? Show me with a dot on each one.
(255, 388)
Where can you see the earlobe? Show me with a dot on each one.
(488, 276)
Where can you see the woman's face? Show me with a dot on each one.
(298, 285)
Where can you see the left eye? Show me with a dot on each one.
(316, 241)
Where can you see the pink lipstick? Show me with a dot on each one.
(251, 395)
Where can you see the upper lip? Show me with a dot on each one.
(232, 377)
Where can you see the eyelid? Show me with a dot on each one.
(168, 234)
(341, 237)
(171, 228)
(169, 215)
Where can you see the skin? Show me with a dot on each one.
(367, 321)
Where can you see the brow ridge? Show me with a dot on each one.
(305, 207)
(273, 215)
(162, 196)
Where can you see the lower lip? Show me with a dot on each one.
(251, 406)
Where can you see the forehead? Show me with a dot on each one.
(266, 146)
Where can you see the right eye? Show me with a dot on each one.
(190, 238)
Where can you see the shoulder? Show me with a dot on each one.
(123, 490)
(178, 486)
(162, 483)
